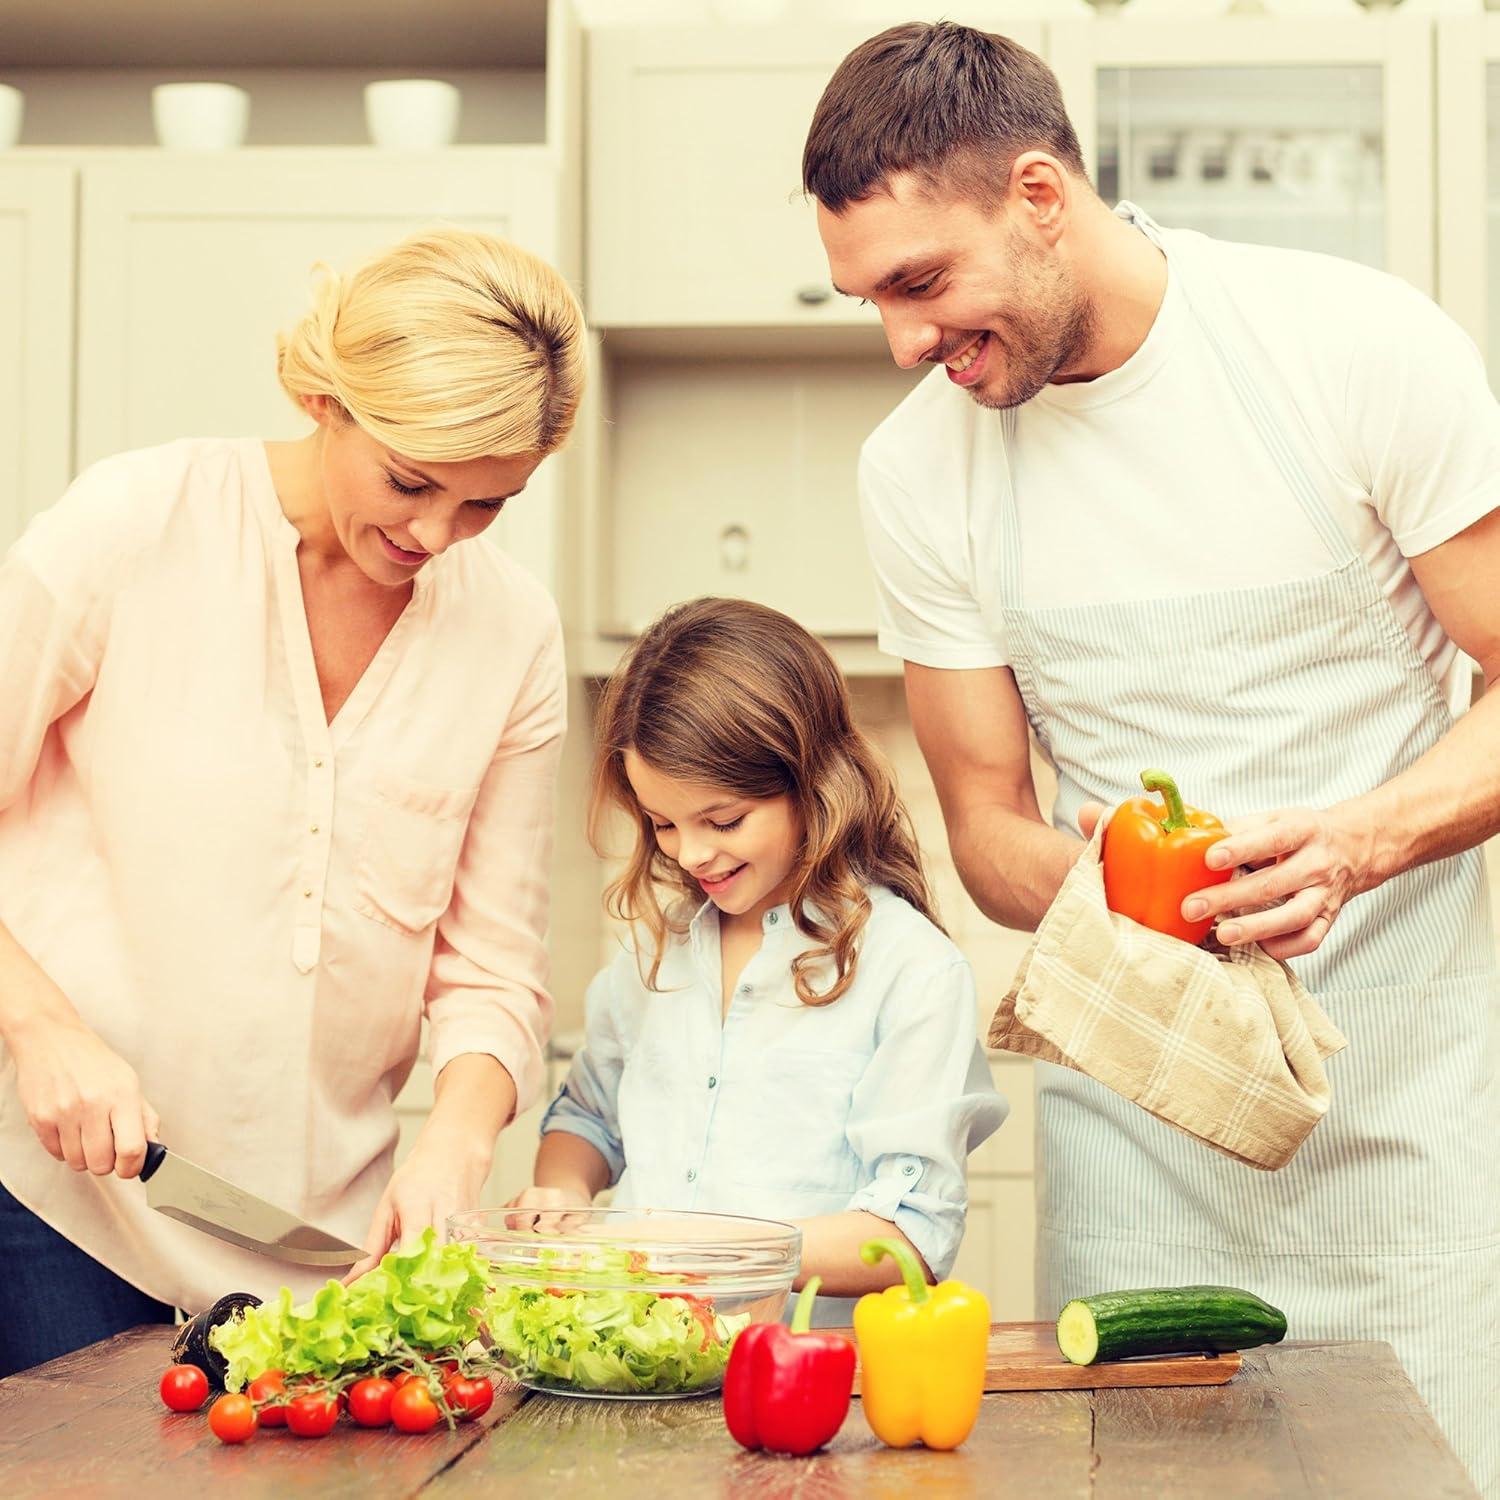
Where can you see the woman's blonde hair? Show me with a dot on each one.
(451, 345)
(731, 694)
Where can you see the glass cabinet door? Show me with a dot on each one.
(1313, 135)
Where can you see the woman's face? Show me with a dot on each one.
(391, 514)
(742, 851)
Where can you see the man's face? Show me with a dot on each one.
(985, 293)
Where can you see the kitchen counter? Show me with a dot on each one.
(1300, 1419)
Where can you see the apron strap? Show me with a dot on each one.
(1010, 525)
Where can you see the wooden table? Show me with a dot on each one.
(1299, 1420)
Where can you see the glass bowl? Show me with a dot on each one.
(625, 1302)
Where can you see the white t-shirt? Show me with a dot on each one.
(1150, 482)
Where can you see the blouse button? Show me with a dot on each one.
(307, 895)
(313, 829)
(909, 1169)
(712, 1081)
(692, 1174)
(317, 765)
(772, 919)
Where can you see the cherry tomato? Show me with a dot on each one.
(413, 1409)
(312, 1416)
(268, 1392)
(183, 1387)
(469, 1398)
(370, 1401)
(232, 1418)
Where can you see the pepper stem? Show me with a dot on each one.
(1159, 781)
(802, 1313)
(873, 1251)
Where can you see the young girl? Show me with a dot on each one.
(792, 1036)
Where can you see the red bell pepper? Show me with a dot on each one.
(787, 1390)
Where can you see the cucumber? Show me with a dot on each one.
(1166, 1320)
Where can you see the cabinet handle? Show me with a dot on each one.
(813, 296)
(734, 549)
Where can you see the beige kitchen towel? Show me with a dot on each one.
(1223, 1043)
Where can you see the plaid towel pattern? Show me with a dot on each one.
(1223, 1043)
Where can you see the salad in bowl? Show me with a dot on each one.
(620, 1302)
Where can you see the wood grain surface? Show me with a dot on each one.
(1332, 1421)
(1025, 1357)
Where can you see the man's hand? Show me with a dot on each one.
(1305, 864)
(1088, 818)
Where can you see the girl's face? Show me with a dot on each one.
(392, 514)
(742, 851)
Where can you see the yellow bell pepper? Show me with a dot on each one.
(922, 1354)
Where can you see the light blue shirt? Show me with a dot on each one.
(784, 1110)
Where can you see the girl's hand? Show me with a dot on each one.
(436, 1180)
(552, 1204)
(1305, 864)
(82, 1098)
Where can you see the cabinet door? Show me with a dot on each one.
(696, 212)
(189, 267)
(739, 480)
(1314, 133)
(998, 1252)
(1468, 124)
(36, 339)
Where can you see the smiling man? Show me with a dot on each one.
(1231, 510)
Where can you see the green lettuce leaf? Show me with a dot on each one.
(427, 1299)
(609, 1341)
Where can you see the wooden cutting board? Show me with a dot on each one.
(1024, 1357)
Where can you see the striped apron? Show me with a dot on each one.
(1387, 1223)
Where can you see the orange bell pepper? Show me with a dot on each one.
(1153, 859)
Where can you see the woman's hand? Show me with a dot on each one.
(440, 1177)
(82, 1098)
(1305, 864)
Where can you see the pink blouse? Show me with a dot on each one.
(254, 907)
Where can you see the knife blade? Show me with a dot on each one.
(193, 1195)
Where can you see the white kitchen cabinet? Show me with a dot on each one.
(190, 266)
(1468, 144)
(1314, 133)
(696, 211)
(738, 480)
(998, 1255)
(36, 339)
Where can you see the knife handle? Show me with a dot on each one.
(156, 1154)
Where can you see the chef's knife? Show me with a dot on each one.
(194, 1195)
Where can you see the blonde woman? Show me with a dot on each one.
(277, 753)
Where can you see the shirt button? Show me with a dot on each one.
(307, 895)
(712, 1081)
(313, 829)
(747, 989)
(910, 1170)
(772, 918)
(317, 765)
(692, 1174)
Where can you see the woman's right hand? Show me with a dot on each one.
(82, 1098)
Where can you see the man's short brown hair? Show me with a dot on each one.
(951, 104)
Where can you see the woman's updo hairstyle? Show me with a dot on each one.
(449, 346)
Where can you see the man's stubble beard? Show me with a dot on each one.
(1039, 343)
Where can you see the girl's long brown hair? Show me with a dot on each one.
(731, 694)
